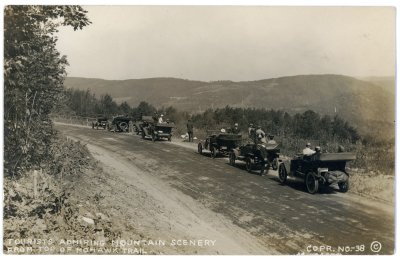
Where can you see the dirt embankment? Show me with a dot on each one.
(114, 208)
(144, 205)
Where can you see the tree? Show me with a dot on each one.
(34, 73)
(143, 109)
(125, 109)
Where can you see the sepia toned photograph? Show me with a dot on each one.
(199, 130)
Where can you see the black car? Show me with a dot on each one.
(101, 122)
(319, 168)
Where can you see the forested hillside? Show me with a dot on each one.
(367, 106)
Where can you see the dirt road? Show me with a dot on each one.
(193, 197)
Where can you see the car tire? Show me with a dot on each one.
(282, 174)
(275, 164)
(200, 148)
(123, 126)
(232, 158)
(312, 184)
(344, 186)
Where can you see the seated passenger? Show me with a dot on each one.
(160, 120)
(308, 151)
(271, 140)
(260, 135)
(235, 129)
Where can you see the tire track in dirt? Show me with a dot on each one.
(283, 218)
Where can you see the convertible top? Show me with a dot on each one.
(337, 157)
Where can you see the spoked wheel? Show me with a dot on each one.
(123, 126)
(344, 186)
(232, 158)
(275, 164)
(282, 174)
(312, 183)
(249, 164)
(200, 148)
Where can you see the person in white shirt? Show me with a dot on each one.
(160, 119)
(308, 151)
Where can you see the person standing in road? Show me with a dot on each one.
(252, 132)
(189, 127)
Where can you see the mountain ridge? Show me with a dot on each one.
(358, 101)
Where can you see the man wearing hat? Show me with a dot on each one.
(235, 129)
(308, 151)
(271, 140)
(160, 119)
(260, 135)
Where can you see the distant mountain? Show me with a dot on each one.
(363, 103)
(387, 82)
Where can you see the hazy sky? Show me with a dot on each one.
(231, 43)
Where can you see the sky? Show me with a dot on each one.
(238, 43)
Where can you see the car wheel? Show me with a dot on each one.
(200, 148)
(282, 174)
(232, 158)
(344, 186)
(275, 164)
(153, 137)
(249, 165)
(312, 183)
(169, 138)
(123, 126)
(143, 136)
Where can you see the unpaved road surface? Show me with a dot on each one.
(191, 196)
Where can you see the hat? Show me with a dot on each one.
(223, 130)
(162, 115)
(236, 124)
(308, 144)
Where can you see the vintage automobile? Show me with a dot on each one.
(100, 122)
(151, 129)
(316, 169)
(119, 124)
(260, 156)
(218, 142)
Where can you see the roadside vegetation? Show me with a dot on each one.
(375, 153)
(39, 165)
